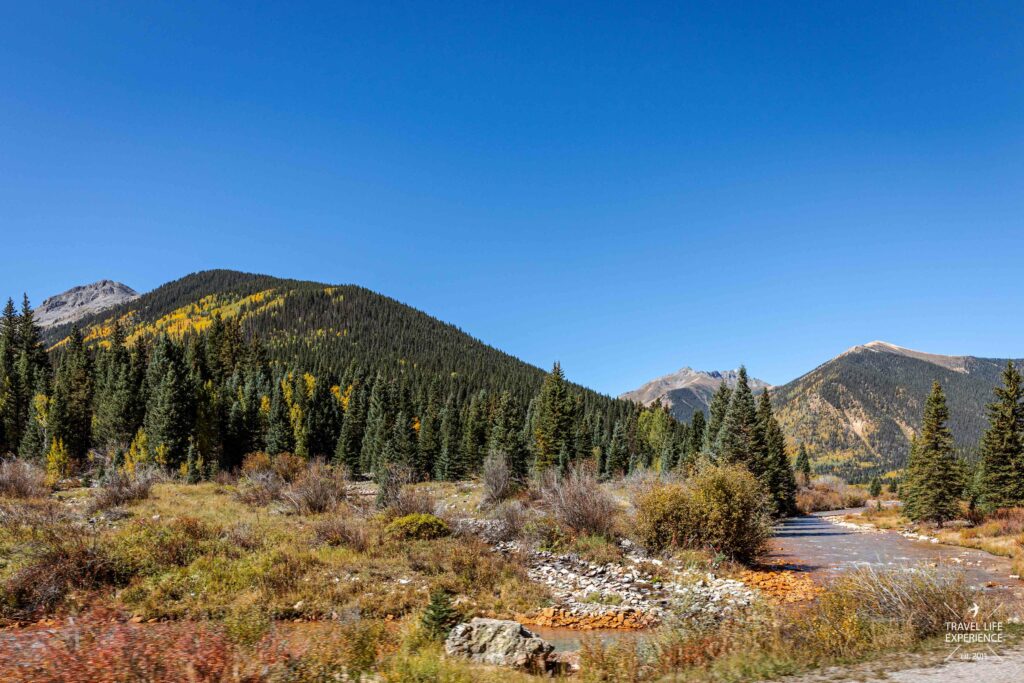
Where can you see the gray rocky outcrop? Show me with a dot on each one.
(499, 643)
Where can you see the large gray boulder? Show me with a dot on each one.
(500, 643)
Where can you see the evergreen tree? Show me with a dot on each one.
(777, 474)
(377, 426)
(11, 393)
(280, 437)
(803, 465)
(322, 420)
(717, 409)
(737, 440)
(113, 422)
(935, 474)
(875, 489)
(169, 413)
(350, 437)
(73, 400)
(618, 451)
(449, 464)
(439, 617)
(553, 419)
(1002, 446)
(696, 435)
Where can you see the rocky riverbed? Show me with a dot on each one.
(626, 595)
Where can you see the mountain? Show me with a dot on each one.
(687, 390)
(322, 328)
(78, 302)
(857, 412)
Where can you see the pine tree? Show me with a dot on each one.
(439, 616)
(618, 451)
(777, 474)
(737, 439)
(11, 392)
(553, 419)
(717, 409)
(1002, 446)
(113, 421)
(696, 436)
(73, 398)
(934, 476)
(803, 466)
(280, 437)
(322, 420)
(169, 414)
(377, 426)
(449, 464)
(350, 437)
(875, 489)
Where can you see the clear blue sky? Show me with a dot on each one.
(628, 188)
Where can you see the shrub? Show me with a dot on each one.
(285, 465)
(259, 488)
(733, 511)
(665, 517)
(418, 526)
(512, 518)
(411, 500)
(499, 484)
(350, 532)
(578, 501)
(828, 493)
(61, 557)
(722, 508)
(390, 481)
(121, 488)
(319, 489)
(22, 479)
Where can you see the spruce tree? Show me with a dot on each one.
(777, 474)
(696, 437)
(618, 459)
(716, 410)
(169, 413)
(803, 465)
(350, 437)
(439, 616)
(377, 426)
(449, 465)
(280, 438)
(553, 419)
(736, 442)
(1002, 445)
(935, 474)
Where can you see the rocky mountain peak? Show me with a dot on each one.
(80, 301)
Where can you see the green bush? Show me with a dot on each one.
(418, 525)
(665, 517)
(733, 511)
(721, 508)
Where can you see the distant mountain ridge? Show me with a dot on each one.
(687, 390)
(79, 302)
(857, 412)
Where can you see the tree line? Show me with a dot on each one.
(936, 479)
(201, 401)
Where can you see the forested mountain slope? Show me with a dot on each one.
(857, 412)
(321, 328)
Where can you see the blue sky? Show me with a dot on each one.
(627, 188)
